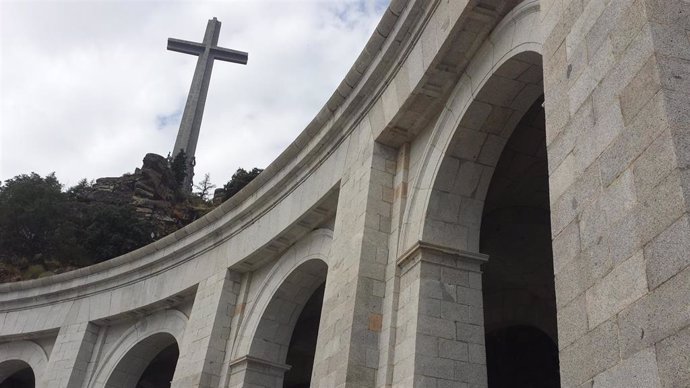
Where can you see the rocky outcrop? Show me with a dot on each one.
(153, 193)
(156, 181)
(218, 196)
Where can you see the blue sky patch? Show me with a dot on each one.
(163, 121)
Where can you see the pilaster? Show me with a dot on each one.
(204, 342)
(616, 101)
(440, 333)
(398, 195)
(69, 359)
(347, 353)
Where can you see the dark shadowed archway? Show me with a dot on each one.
(21, 363)
(149, 364)
(521, 356)
(518, 280)
(283, 345)
(302, 349)
(490, 198)
(16, 374)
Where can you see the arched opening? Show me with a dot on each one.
(149, 364)
(16, 374)
(521, 356)
(283, 346)
(160, 371)
(490, 196)
(517, 281)
(300, 355)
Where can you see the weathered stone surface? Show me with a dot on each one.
(622, 286)
(403, 157)
(657, 315)
(190, 125)
(673, 359)
(640, 90)
(640, 370)
(572, 321)
(669, 252)
(591, 354)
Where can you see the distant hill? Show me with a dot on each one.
(45, 230)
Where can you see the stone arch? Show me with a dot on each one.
(518, 279)
(138, 346)
(15, 356)
(315, 246)
(266, 333)
(272, 335)
(451, 179)
(17, 374)
(516, 234)
(129, 369)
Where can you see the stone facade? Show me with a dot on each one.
(386, 198)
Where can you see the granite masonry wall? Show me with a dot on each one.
(382, 197)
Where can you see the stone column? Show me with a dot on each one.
(616, 79)
(70, 356)
(252, 372)
(384, 375)
(440, 332)
(347, 353)
(203, 346)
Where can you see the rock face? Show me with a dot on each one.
(218, 196)
(151, 190)
(157, 181)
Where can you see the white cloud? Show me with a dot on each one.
(88, 88)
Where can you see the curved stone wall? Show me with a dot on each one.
(381, 196)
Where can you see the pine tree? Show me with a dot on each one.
(240, 179)
(204, 187)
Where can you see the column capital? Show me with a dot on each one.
(440, 255)
(253, 371)
(248, 360)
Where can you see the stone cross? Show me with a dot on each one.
(207, 51)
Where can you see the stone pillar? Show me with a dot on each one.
(440, 332)
(616, 80)
(70, 357)
(384, 376)
(252, 372)
(203, 346)
(347, 353)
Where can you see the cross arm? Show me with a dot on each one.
(184, 46)
(228, 55)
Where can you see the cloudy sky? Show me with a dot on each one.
(87, 88)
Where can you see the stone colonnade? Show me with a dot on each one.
(381, 198)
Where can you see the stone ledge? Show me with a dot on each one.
(440, 255)
(247, 360)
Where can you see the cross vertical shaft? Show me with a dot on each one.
(207, 51)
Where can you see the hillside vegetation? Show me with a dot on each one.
(46, 228)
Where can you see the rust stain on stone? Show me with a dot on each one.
(239, 309)
(375, 322)
(401, 190)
